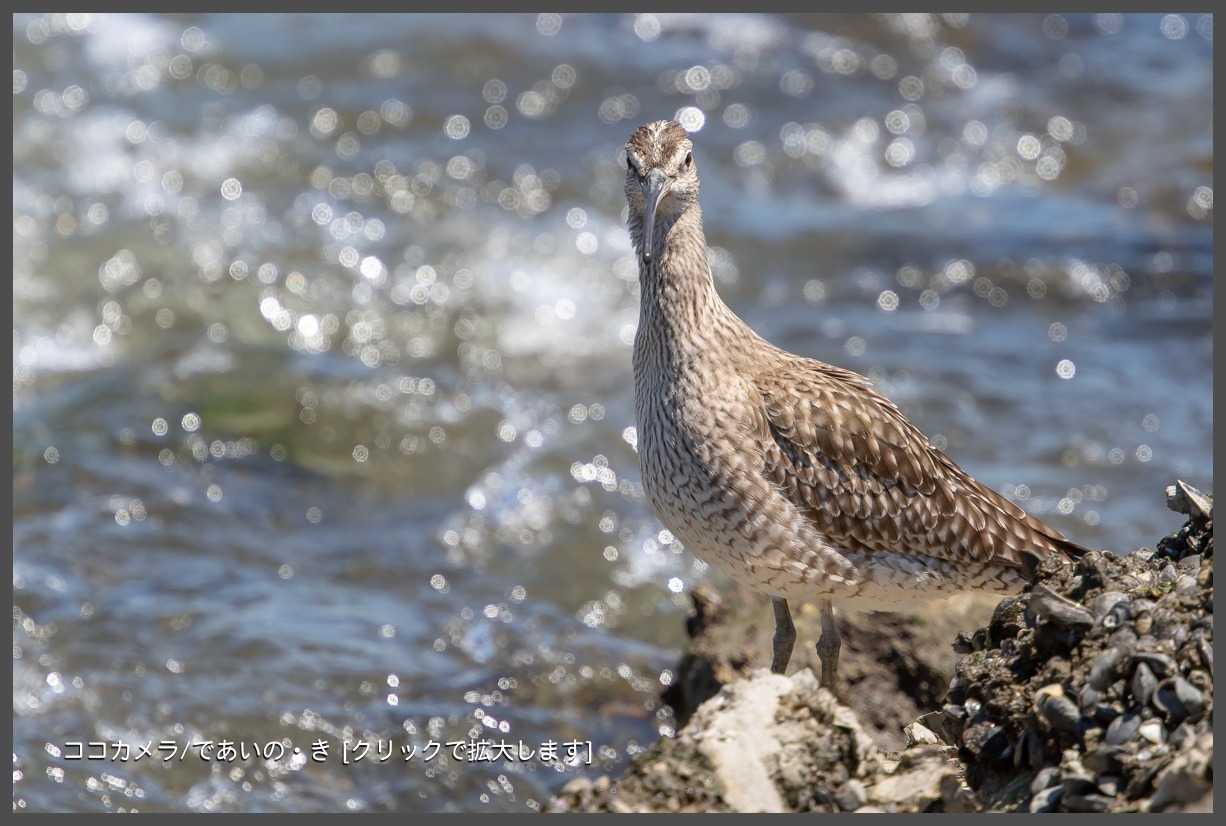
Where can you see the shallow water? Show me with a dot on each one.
(321, 344)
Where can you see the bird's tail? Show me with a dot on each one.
(1070, 550)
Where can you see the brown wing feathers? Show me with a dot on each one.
(873, 481)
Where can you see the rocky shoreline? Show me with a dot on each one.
(1092, 692)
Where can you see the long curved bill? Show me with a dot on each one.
(655, 187)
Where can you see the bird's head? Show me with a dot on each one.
(661, 177)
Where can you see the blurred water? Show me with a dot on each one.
(321, 356)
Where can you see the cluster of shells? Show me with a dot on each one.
(1094, 691)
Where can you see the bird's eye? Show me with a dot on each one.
(689, 159)
(629, 164)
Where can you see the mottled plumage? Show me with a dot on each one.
(791, 475)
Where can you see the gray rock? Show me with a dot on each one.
(1106, 602)
(1123, 729)
(1168, 574)
(1178, 699)
(1074, 777)
(1184, 780)
(985, 742)
(1102, 670)
(1143, 684)
(1044, 779)
(1183, 498)
(1161, 664)
(1186, 585)
(1189, 564)
(1182, 737)
(1056, 709)
(1206, 653)
(1106, 759)
(851, 796)
(1152, 731)
(1047, 800)
(1089, 802)
(916, 784)
(918, 734)
(739, 735)
(1049, 606)
(956, 796)
(1088, 697)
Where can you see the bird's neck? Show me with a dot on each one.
(675, 284)
(681, 317)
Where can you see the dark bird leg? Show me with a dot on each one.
(828, 648)
(785, 635)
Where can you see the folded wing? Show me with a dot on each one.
(874, 483)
